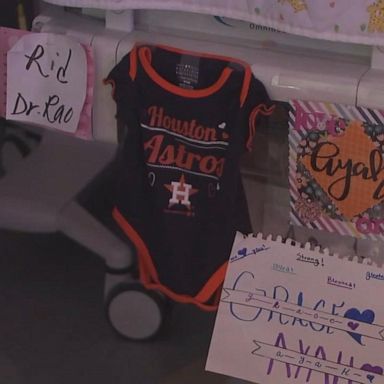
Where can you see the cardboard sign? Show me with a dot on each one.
(46, 81)
(295, 315)
(337, 168)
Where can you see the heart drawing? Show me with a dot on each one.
(367, 316)
(353, 325)
(373, 369)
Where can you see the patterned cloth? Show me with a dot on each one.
(356, 21)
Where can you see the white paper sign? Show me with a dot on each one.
(46, 81)
(290, 315)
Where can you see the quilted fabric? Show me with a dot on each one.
(357, 21)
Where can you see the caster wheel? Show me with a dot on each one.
(134, 312)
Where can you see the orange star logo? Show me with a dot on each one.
(181, 192)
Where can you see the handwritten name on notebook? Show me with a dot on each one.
(46, 81)
(295, 315)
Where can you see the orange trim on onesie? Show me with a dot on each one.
(144, 56)
(181, 298)
(263, 110)
(213, 284)
(139, 244)
(149, 277)
(246, 84)
(200, 54)
(133, 63)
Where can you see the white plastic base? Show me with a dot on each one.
(135, 313)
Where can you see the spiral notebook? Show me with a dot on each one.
(293, 314)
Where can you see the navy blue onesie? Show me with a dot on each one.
(180, 198)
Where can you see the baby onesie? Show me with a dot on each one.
(188, 118)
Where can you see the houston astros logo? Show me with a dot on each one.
(181, 191)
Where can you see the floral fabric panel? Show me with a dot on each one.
(336, 168)
(358, 21)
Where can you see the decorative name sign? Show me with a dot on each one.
(296, 315)
(46, 81)
(337, 168)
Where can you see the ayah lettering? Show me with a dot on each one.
(324, 158)
(319, 353)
